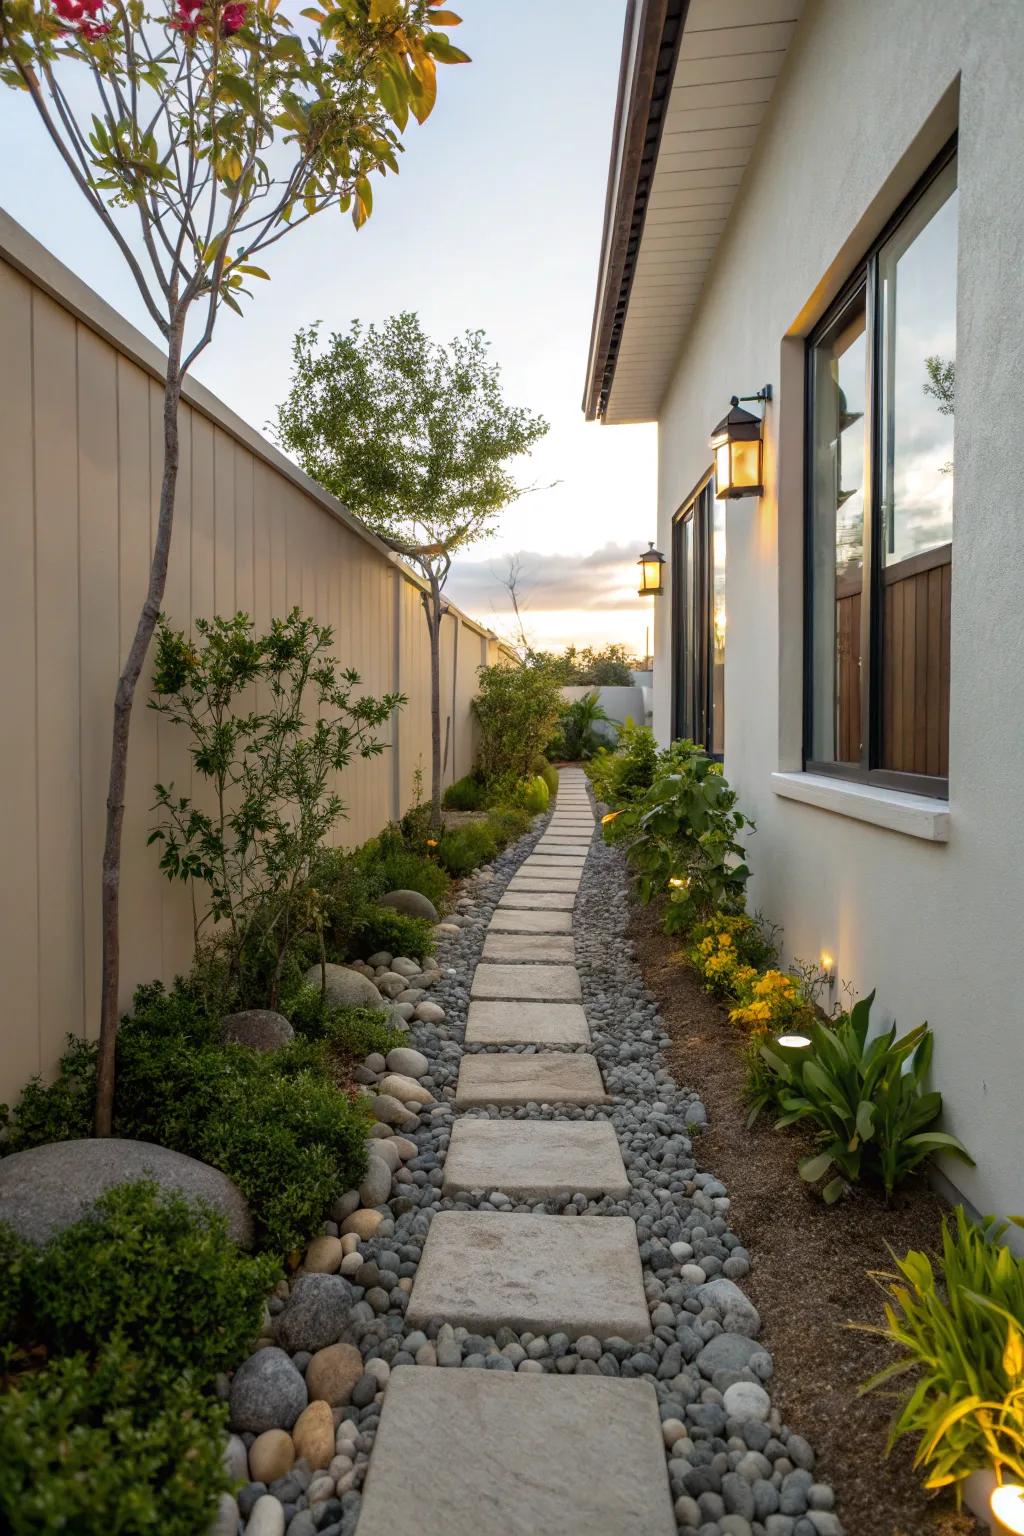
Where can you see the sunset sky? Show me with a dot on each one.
(493, 223)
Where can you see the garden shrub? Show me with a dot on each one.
(958, 1324)
(862, 1099)
(466, 794)
(518, 709)
(463, 849)
(345, 889)
(728, 952)
(58, 1111)
(392, 866)
(98, 1448)
(549, 773)
(164, 1276)
(577, 740)
(384, 928)
(622, 776)
(772, 1001)
(536, 796)
(350, 1034)
(508, 822)
(17, 1267)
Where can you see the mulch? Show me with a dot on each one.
(810, 1264)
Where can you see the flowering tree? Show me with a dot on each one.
(415, 438)
(201, 132)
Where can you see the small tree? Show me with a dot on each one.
(210, 128)
(415, 438)
(518, 710)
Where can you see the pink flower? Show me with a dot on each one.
(233, 18)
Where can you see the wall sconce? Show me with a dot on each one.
(736, 443)
(828, 968)
(650, 565)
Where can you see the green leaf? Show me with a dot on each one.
(814, 1168)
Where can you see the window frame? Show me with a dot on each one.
(701, 518)
(864, 276)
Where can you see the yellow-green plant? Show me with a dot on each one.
(729, 951)
(958, 1324)
(773, 1001)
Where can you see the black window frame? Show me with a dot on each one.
(864, 277)
(698, 510)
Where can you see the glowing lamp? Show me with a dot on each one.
(677, 882)
(828, 966)
(793, 1042)
(1007, 1504)
(650, 565)
(736, 444)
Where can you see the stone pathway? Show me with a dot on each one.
(567, 1454)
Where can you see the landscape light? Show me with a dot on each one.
(1007, 1504)
(794, 1042)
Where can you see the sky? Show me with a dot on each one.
(493, 223)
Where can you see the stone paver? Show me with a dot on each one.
(508, 921)
(485, 1270)
(541, 983)
(525, 1023)
(543, 882)
(529, 946)
(536, 1159)
(554, 861)
(538, 901)
(561, 844)
(543, 1077)
(501, 1453)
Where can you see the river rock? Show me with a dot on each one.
(315, 1314)
(406, 1089)
(737, 1311)
(405, 967)
(271, 1455)
(323, 1256)
(313, 1435)
(362, 1223)
(376, 1185)
(259, 1028)
(345, 988)
(391, 1111)
(267, 1392)
(266, 1518)
(409, 1063)
(332, 1373)
(412, 903)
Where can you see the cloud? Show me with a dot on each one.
(602, 581)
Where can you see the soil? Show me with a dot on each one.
(810, 1265)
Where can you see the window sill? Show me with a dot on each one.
(913, 815)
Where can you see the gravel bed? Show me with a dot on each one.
(734, 1468)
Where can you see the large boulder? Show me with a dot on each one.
(261, 1029)
(345, 988)
(412, 903)
(315, 1313)
(267, 1392)
(48, 1188)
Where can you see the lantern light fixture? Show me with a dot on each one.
(737, 443)
(1007, 1504)
(650, 563)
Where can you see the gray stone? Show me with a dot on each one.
(575, 1275)
(746, 1400)
(267, 1517)
(525, 1023)
(345, 988)
(727, 1352)
(316, 1312)
(412, 903)
(510, 921)
(48, 1188)
(409, 1063)
(501, 1453)
(529, 946)
(259, 1028)
(547, 1077)
(536, 1159)
(376, 1185)
(538, 901)
(738, 1313)
(539, 983)
(267, 1392)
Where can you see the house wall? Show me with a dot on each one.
(80, 467)
(618, 703)
(868, 95)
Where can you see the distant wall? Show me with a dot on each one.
(80, 467)
(618, 703)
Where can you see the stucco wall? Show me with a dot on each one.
(619, 704)
(80, 466)
(867, 97)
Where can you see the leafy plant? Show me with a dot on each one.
(270, 771)
(96, 1447)
(772, 1001)
(518, 710)
(863, 1099)
(210, 128)
(549, 773)
(682, 838)
(958, 1324)
(164, 1276)
(392, 866)
(622, 776)
(463, 849)
(536, 796)
(17, 1266)
(57, 1111)
(384, 928)
(729, 952)
(466, 794)
(577, 739)
(608, 667)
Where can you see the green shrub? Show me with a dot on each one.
(392, 866)
(463, 849)
(862, 1099)
(350, 1034)
(345, 889)
(17, 1268)
(959, 1327)
(166, 1277)
(384, 928)
(508, 822)
(536, 796)
(101, 1449)
(620, 777)
(577, 739)
(467, 794)
(58, 1111)
(518, 709)
(549, 773)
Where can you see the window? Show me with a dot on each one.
(698, 620)
(880, 389)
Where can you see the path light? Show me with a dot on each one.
(1007, 1504)
(793, 1042)
(678, 882)
(736, 443)
(650, 572)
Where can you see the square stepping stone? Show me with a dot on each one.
(546, 1077)
(529, 946)
(525, 1023)
(542, 983)
(564, 844)
(565, 881)
(571, 861)
(536, 1159)
(550, 901)
(485, 1270)
(497, 1453)
(506, 921)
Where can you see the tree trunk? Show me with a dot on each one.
(432, 604)
(124, 699)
